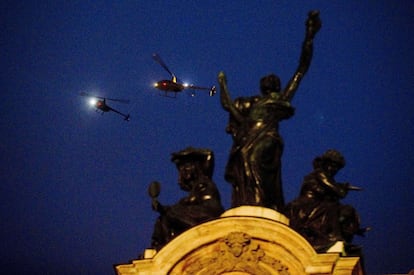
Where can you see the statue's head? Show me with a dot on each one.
(270, 84)
(193, 163)
(331, 161)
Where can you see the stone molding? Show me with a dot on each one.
(244, 240)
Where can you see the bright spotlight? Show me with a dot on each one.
(92, 101)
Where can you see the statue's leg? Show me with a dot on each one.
(266, 170)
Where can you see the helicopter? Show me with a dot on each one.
(100, 104)
(173, 85)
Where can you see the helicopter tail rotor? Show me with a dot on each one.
(213, 90)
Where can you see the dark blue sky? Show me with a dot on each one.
(74, 183)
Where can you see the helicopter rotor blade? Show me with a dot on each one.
(105, 98)
(126, 101)
(88, 95)
(158, 59)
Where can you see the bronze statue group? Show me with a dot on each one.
(254, 169)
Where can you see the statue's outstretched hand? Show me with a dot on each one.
(222, 79)
(313, 23)
(351, 187)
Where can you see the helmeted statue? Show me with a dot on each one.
(195, 167)
(254, 164)
(317, 213)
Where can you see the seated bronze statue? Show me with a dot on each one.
(203, 203)
(317, 213)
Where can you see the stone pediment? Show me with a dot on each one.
(244, 240)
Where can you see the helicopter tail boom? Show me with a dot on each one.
(212, 90)
(126, 116)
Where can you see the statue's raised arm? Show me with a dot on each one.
(313, 24)
(225, 99)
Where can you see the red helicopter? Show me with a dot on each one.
(173, 85)
(100, 104)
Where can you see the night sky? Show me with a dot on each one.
(74, 183)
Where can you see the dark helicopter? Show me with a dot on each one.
(173, 85)
(100, 104)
